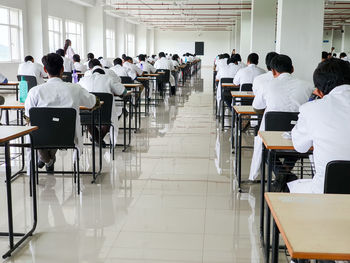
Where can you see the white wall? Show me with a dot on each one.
(245, 35)
(214, 43)
(141, 39)
(327, 40)
(337, 40)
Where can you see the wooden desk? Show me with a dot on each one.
(138, 88)
(151, 75)
(242, 94)
(13, 84)
(143, 78)
(236, 141)
(8, 133)
(313, 226)
(273, 142)
(229, 85)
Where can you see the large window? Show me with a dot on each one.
(74, 32)
(11, 40)
(110, 42)
(131, 44)
(55, 34)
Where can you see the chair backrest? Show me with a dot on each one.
(226, 91)
(337, 178)
(56, 127)
(165, 77)
(106, 110)
(226, 80)
(280, 121)
(67, 77)
(247, 87)
(126, 80)
(31, 80)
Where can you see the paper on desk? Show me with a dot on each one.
(287, 135)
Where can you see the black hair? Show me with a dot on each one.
(90, 56)
(342, 55)
(153, 56)
(53, 64)
(238, 57)
(76, 58)
(123, 56)
(142, 57)
(268, 59)
(118, 61)
(334, 55)
(99, 70)
(226, 56)
(330, 74)
(128, 58)
(324, 55)
(282, 64)
(60, 52)
(94, 62)
(253, 58)
(230, 60)
(234, 59)
(28, 58)
(100, 58)
(161, 55)
(175, 57)
(66, 45)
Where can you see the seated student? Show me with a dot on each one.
(129, 63)
(260, 81)
(29, 68)
(123, 57)
(342, 56)
(105, 62)
(324, 56)
(144, 65)
(248, 74)
(67, 63)
(90, 56)
(163, 63)
(95, 63)
(122, 71)
(77, 65)
(3, 79)
(222, 62)
(98, 81)
(283, 93)
(323, 123)
(239, 59)
(56, 93)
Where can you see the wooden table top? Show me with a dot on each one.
(152, 75)
(229, 85)
(245, 110)
(313, 226)
(143, 78)
(242, 94)
(12, 83)
(273, 140)
(8, 133)
(19, 106)
(133, 85)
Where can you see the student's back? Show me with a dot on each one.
(247, 74)
(32, 69)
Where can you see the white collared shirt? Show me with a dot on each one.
(70, 53)
(67, 64)
(80, 67)
(323, 124)
(261, 81)
(135, 69)
(123, 72)
(32, 69)
(145, 66)
(56, 93)
(228, 71)
(164, 63)
(248, 74)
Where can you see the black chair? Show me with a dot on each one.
(226, 98)
(163, 79)
(247, 87)
(56, 131)
(67, 77)
(280, 121)
(31, 80)
(337, 178)
(247, 101)
(106, 115)
(126, 80)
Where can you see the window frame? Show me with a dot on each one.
(79, 49)
(59, 33)
(110, 53)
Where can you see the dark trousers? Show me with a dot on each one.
(104, 130)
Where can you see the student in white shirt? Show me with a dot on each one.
(29, 68)
(144, 65)
(96, 63)
(68, 50)
(343, 56)
(163, 63)
(283, 93)
(261, 80)
(105, 62)
(222, 62)
(122, 71)
(67, 62)
(56, 93)
(90, 56)
(129, 63)
(248, 74)
(77, 65)
(239, 59)
(324, 123)
(3, 79)
(98, 81)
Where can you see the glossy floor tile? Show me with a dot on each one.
(170, 198)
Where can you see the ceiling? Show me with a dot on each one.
(206, 15)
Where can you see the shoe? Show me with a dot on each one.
(50, 167)
(41, 164)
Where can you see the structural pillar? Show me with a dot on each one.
(345, 43)
(263, 29)
(301, 37)
(245, 35)
(238, 35)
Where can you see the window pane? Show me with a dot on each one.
(78, 29)
(50, 24)
(14, 18)
(15, 44)
(5, 54)
(51, 42)
(56, 25)
(4, 16)
(71, 27)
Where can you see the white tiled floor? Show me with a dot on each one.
(169, 199)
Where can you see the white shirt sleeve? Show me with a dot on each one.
(86, 99)
(117, 87)
(31, 101)
(301, 136)
(259, 101)
(237, 79)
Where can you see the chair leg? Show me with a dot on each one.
(112, 144)
(75, 172)
(36, 167)
(78, 170)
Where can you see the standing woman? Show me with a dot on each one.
(68, 50)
